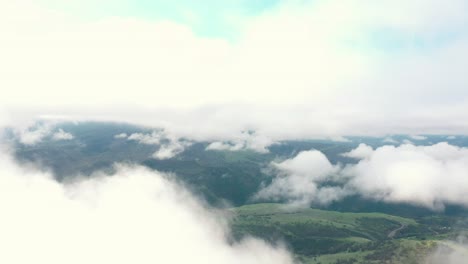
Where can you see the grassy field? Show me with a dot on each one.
(321, 236)
(352, 227)
(401, 251)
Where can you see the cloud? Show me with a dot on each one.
(250, 140)
(225, 146)
(390, 140)
(149, 139)
(121, 135)
(33, 133)
(407, 142)
(326, 73)
(171, 149)
(169, 145)
(418, 137)
(340, 139)
(361, 152)
(297, 180)
(430, 176)
(62, 135)
(30, 135)
(135, 215)
(449, 252)
(311, 162)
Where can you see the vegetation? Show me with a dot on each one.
(321, 236)
(353, 230)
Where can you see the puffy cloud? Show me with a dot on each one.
(313, 163)
(244, 141)
(426, 175)
(62, 135)
(361, 152)
(149, 139)
(30, 135)
(430, 176)
(135, 215)
(298, 180)
(225, 146)
(171, 149)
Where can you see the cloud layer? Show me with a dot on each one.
(301, 69)
(134, 216)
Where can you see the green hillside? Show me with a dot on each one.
(320, 236)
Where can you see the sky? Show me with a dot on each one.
(208, 18)
(331, 67)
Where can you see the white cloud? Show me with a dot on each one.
(31, 135)
(62, 135)
(425, 175)
(307, 69)
(311, 162)
(121, 135)
(340, 139)
(171, 149)
(390, 140)
(418, 137)
(407, 142)
(134, 216)
(361, 152)
(225, 146)
(169, 145)
(430, 176)
(149, 139)
(243, 141)
(298, 178)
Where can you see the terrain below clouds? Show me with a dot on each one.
(354, 217)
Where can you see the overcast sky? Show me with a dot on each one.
(329, 67)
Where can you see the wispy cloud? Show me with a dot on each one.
(121, 135)
(390, 140)
(449, 252)
(62, 135)
(418, 137)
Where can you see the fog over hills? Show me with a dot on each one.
(270, 131)
(352, 176)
